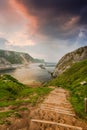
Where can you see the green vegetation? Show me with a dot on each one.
(9, 88)
(6, 114)
(70, 80)
(15, 57)
(14, 94)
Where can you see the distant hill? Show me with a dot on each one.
(8, 58)
(13, 57)
(66, 61)
(39, 60)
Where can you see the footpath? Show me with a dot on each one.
(56, 113)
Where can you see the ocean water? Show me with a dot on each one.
(32, 73)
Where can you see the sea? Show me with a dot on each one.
(32, 73)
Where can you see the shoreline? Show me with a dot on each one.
(43, 67)
(7, 69)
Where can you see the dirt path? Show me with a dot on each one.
(56, 113)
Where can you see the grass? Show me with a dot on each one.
(6, 114)
(31, 95)
(14, 93)
(9, 87)
(70, 80)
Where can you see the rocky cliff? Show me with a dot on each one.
(8, 58)
(66, 61)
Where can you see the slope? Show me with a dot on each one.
(71, 79)
(67, 60)
(15, 96)
(13, 57)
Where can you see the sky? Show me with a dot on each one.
(46, 29)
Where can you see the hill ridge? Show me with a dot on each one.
(68, 59)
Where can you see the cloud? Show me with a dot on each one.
(21, 38)
(60, 19)
(44, 28)
(4, 43)
(3, 40)
(10, 18)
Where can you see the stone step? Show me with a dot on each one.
(59, 112)
(56, 109)
(56, 104)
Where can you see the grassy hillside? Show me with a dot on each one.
(14, 57)
(68, 59)
(15, 94)
(70, 80)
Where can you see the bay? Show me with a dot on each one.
(32, 73)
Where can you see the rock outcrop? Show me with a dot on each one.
(66, 61)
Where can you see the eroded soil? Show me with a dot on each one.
(55, 108)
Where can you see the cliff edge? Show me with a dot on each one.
(67, 60)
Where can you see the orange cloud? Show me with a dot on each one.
(8, 14)
(32, 20)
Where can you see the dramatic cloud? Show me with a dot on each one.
(55, 18)
(44, 28)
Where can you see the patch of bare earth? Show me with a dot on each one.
(56, 113)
